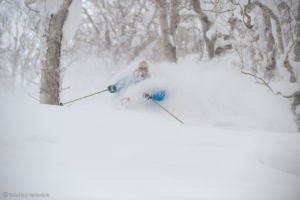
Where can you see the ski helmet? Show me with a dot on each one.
(143, 66)
(142, 71)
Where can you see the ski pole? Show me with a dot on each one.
(61, 104)
(167, 111)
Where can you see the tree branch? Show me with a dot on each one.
(261, 80)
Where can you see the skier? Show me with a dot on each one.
(140, 74)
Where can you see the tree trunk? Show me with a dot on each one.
(268, 12)
(206, 24)
(168, 49)
(50, 80)
(174, 18)
(270, 44)
(297, 45)
(295, 104)
(286, 22)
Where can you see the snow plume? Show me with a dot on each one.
(216, 93)
(201, 93)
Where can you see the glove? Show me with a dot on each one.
(112, 88)
(148, 96)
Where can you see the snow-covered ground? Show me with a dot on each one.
(238, 141)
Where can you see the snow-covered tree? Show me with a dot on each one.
(297, 44)
(19, 44)
(168, 28)
(50, 80)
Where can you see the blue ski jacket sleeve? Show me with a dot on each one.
(126, 81)
(122, 83)
(159, 96)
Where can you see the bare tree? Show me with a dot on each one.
(50, 80)
(168, 45)
(286, 22)
(297, 45)
(295, 105)
(121, 29)
(270, 48)
(21, 48)
(267, 14)
(206, 24)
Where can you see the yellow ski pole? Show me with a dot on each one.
(61, 104)
(167, 111)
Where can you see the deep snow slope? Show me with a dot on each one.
(98, 152)
(213, 93)
(239, 142)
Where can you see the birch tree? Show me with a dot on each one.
(50, 80)
(206, 25)
(168, 46)
(297, 45)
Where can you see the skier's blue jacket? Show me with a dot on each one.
(125, 82)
